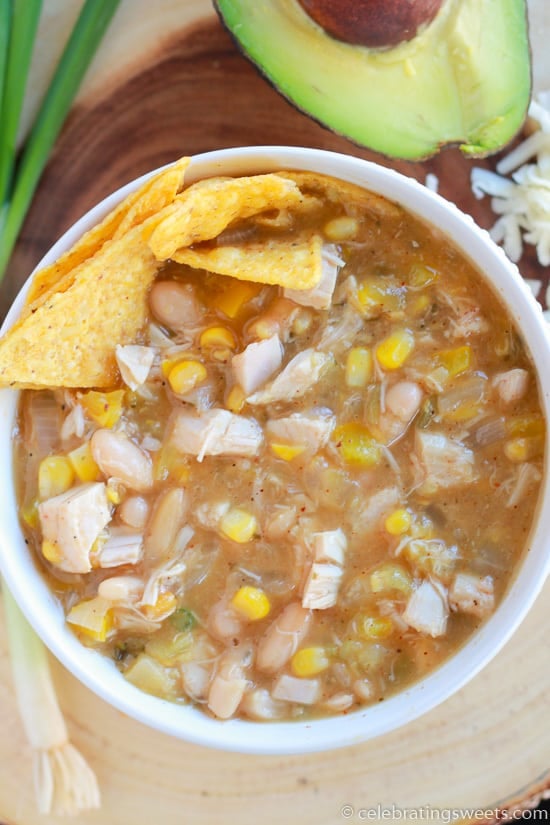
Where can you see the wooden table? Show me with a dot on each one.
(168, 81)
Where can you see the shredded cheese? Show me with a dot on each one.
(522, 201)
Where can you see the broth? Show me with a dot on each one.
(313, 498)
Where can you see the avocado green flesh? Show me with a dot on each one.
(465, 79)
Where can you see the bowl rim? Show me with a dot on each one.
(295, 737)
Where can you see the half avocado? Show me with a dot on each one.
(465, 78)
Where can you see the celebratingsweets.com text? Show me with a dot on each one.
(427, 813)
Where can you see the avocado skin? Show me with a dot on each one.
(373, 23)
(406, 102)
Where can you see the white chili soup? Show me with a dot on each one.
(293, 502)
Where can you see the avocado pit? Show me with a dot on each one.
(372, 23)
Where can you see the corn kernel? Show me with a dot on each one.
(239, 525)
(233, 299)
(420, 304)
(394, 350)
(343, 228)
(251, 602)
(83, 463)
(374, 627)
(185, 376)
(525, 425)
(376, 297)
(390, 576)
(51, 551)
(523, 449)
(421, 276)
(29, 513)
(358, 367)
(287, 451)
(105, 408)
(309, 661)
(302, 322)
(356, 445)
(263, 328)
(113, 494)
(456, 361)
(398, 522)
(235, 399)
(93, 617)
(216, 337)
(55, 476)
(163, 607)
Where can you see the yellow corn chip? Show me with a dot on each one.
(69, 341)
(289, 263)
(202, 211)
(341, 191)
(148, 200)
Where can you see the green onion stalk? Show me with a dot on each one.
(77, 55)
(64, 782)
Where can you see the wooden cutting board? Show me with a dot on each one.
(169, 82)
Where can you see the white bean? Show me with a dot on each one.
(282, 638)
(121, 588)
(229, 684)
(403, 399)
(223, 622)
(174, 304)
(134, 512)
(120, 458)
(165, 523)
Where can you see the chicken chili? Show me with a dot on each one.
(296, 501)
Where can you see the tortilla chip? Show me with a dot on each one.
(201, 212)
(148, 200)
(69, 341)
(294, 263)
(340, 191)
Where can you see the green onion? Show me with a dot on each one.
(83, 42)
(64, 782)
(183, 619)
(5, 23)
(25, 15)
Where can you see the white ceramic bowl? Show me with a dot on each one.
(101, 675)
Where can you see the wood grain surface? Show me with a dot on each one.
(487, 747)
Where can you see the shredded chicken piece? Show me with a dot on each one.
(296, 379)
(325, 576)
(311, 430)
(257, 363)
(123, 546)
(134, 363)
(215, 432)
(469, 322)
(528, 475)
(339, 335)
(320, 297)
(472, 594)
(511, 385)
(72, 521)
(427, 610)
(445, 461)
(297, 690)
(172, 569)
(374, 510)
